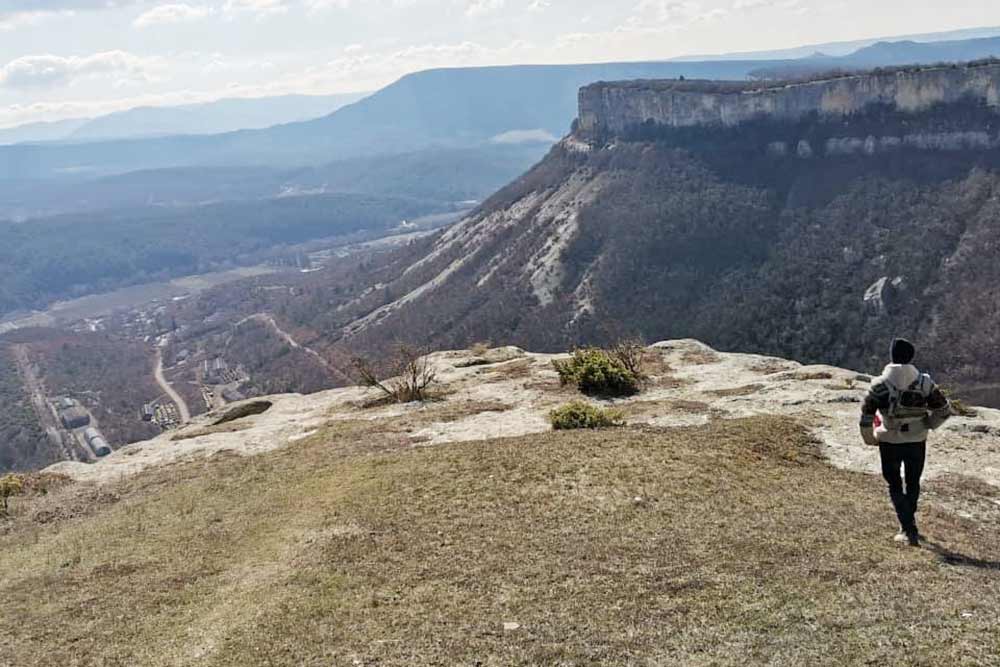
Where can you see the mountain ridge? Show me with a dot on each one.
(719, 234)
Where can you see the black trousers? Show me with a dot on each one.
(910, 458)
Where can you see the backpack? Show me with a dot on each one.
(906, 407)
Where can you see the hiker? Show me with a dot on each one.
(902, 405)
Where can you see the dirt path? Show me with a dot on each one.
(294, 344)
(182, 407)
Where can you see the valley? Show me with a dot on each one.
(582, 362)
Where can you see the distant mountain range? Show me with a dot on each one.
(443, 108)
(225, 115)
(42, 131)
(217, 117)
(887, 53)
(849, 47)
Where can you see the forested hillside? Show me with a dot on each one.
(71, 255)
(23, 444)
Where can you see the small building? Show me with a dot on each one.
(233, 395)
(214, 370)
(91, 434)
(75, 417)
(65, 403)
(148, 412)
(100, 446)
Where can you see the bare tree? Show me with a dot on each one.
(629, 353)
(410, 375)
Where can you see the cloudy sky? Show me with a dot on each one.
(66, 58)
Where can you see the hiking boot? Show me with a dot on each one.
(901, 537)
(911, 537)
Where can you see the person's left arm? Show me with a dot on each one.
(939, 409)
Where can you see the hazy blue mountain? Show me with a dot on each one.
(905, 52)
(443, 108)
(44, 131)
(883, 54)
(849, 47)
(225, 115)
(444, 175)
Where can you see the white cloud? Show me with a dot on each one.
(17, 20)
(657, 15)
(49, 71)
(165, 14)
(525, 137)
(480, 7)
(314, 6)
(24, 13)
(260, 9)
(750, 5)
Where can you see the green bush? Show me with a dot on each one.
(583, 415)
(10, 485)
(598, 372)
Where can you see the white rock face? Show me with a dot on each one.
(520, 389)
(615, 107)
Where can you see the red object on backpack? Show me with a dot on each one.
(878, 420)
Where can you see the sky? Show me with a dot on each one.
(80, 58)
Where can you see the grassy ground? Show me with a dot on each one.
(728, 544)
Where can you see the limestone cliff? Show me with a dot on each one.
(625, 109)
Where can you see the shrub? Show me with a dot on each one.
(583, 415)
(10, 485)
(411, 373)
(958, 406)
(960, 409)
(598, 372)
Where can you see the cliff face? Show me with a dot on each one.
(619, 109)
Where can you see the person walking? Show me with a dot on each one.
(901, 407)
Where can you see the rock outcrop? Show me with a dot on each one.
(616, 108)
(507, 392)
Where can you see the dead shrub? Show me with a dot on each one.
(480, 348)
(411, 375)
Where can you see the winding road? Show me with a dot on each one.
(182, 407)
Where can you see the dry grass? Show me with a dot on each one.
(229, 427)
(808, 376)
(772, 366)
(700, 357)
(747, 390)
(652, 408)
(728, 544)
(453, 411)
(513, 370)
